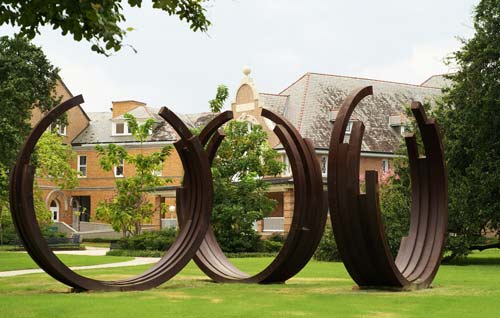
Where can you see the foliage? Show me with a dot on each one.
(99, 22)
(327, 249)
(150, 240)
(269, 246)
(240, 199)
(27, 81)
(130, 208)
(217, 103)
(470, 120)
(52, 158)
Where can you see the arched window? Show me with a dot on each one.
(54, 210)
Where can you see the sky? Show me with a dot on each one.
(280, 40)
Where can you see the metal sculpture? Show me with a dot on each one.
(356, 216)
(197, 214)
(309, 215)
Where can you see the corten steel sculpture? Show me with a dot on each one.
(309, 217)
(356, 217)
(197, 213)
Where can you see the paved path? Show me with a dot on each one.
(93, 251)
(89, 250)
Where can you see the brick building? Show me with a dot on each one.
(310, 103)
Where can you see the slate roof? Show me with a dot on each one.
(100, 126)
(308, 102)
(437, 81)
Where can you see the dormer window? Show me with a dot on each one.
(397, 122)
(121, 129)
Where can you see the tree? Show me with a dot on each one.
(130, 208)
(217, 103)
(99, 22)
(52, 161)
(470, 119)
(243, 160)
(27, 81)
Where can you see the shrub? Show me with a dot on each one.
(149, 241)
(269, 246)
(277, 237)
(327, 249)
(135, 253)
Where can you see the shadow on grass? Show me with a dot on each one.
(477, 258)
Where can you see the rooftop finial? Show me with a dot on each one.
(247, 70)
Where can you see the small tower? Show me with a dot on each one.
(247, 106)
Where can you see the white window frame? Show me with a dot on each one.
(158, 172)
(123, 170)
(79, 166)
(385, 165)
(348, 128)
(54, 209)
(287, 171)
(62, 129)
(271, 218)
(126, 129)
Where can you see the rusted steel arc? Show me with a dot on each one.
(186, 244)
(309, 211)
(356, 217)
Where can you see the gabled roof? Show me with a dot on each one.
(438, 81)
(313, 96)
(100, 127)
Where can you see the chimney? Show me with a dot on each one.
(124, 106)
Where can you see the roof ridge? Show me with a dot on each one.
(272, 94)
(372, 79)
(305, 74)
(442, 74)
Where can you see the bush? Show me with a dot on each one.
(149, 241)
(327, 249)
(98, 240)
(277, 237)
(135, 253)
(7, 232)
(269, 246)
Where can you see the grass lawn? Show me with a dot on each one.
(18, 260)
(320, 290)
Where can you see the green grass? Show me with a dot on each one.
(320, 290)
(19, 260)
(96, 244)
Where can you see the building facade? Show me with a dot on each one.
(310, 104)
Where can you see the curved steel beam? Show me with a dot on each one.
(356, 217)
(309, 210)
(200, 193)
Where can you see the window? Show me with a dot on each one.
(157, 172)
(287, 170)
(402, 130)
(349, 127)
(121, 129)
(385, 165)
(60, 129)
(82, 166)
(54, 210)
(119, 169)
(324, 165)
